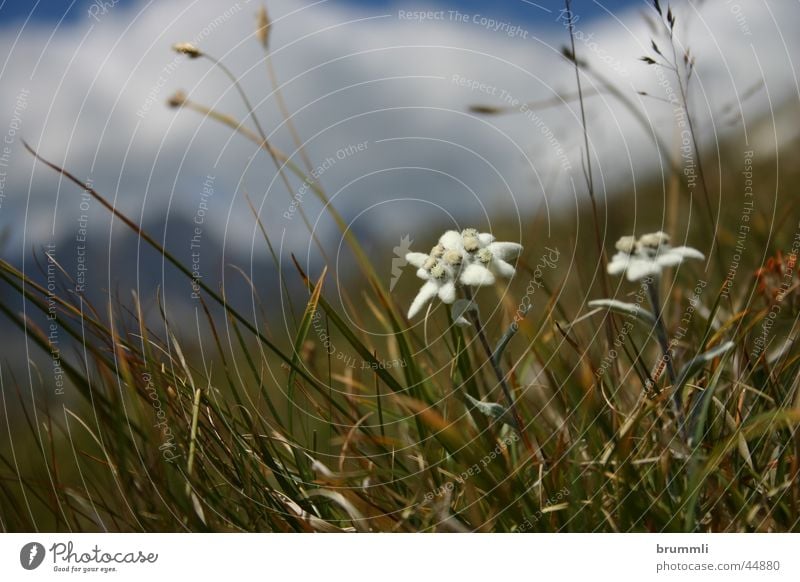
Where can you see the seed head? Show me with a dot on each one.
(471, 244)
(627, 244)
(178, 99)
(438, 272)
(453, 258)
(654, 240)
(188, 49)
(264, 26)
(485, 256)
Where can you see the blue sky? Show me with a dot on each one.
(55, 10)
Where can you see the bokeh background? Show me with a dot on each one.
(93, 80)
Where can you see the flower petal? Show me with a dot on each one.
(668, 259)
(500, 267)
(452, 240)
(475, 275)
(619, 263)
(426, 293)
(447, 292)
(423, 274)
(640, 268)
(416, 259)
(688, 253)
(486, 238)
(505, 250)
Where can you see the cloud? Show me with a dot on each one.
(382, 101)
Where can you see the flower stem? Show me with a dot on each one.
(501, 377)
(661, 335)
(611, 326)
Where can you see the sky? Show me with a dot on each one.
(70, 10)
(381, 102)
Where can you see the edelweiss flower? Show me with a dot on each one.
(439, 280)
(648, 256)
(490, 262)
(468, 258)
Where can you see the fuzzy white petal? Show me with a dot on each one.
(668, 259)
(485, 239)
(449, 271)
(500, 267)
(452, 240)
(426, 293)
(640, 268)
(505, 250)
(476, 275)
(688, 253)
(447, 292)
(416, 259)
(423, 274)
(619, 263)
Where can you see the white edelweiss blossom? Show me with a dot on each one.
(648, 256)
(424, 263)
(452, 241)
(486, 239)
(437, 251)
(453, 258)
(491, 262)
(627, 244)
(471, 243)
(417, 259)
(654, 240)
(427, 292)
(468, 258)
(440, 281)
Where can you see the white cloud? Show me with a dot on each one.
(354, 77)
